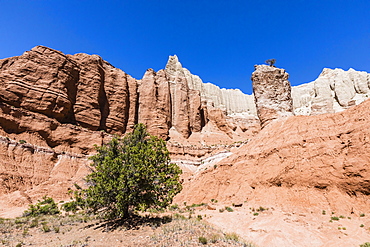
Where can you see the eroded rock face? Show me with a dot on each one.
(303, 163)
(272, 93)
(231, 101)
(54, 108)
(333, 91)
(154, 103)
(41, 80)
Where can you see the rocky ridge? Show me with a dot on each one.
(87, 91)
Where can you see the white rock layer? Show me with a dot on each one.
(232, 101)
(333, 91)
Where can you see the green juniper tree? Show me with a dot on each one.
(131, 172)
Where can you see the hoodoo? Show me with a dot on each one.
(272, 93)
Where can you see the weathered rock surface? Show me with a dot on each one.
(272, 93)
(298, 163)
(28, 172)
(87, 91)
(230, 100)
(65, 104)
(41, 80)
(154, 103)
(333, 91)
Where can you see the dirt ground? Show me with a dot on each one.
(220, 225)
(174, 229)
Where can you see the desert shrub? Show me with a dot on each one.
(45, 207)
(228, 209)
(34, 223)
(334, 218)
(56, 229)
(367, 244)
(131, 172)
(362, 215)
(261, 209)
(45, 227)
(22, 141)
(232, 236)
(214, 238)
(70, 206)
(174, 207)
(179, 216)
(202, 240)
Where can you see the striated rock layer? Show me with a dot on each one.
(65, 104)
(298, 163)
(333, 91)
(272, 93)
(87, 91)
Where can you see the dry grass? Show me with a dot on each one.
(80, 230)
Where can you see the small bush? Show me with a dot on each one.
(45, 207)
(362, 225)
(228, 209)
(34, 223)
(71, 206)
(261, 209)
(334, 218)
(179, 216)
(199, 217)
(232, 236)
(202, 240)
(25, 232)
(323, 212)
(362, 215)
(174, 207)
(194, 205)
(214, 238)
(56, 229)
(367, 244)
(342, 217)
(22, 141)
(221, 210)
(45, 227)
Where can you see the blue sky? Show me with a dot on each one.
(218, 40)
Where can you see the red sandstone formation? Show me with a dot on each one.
(297, 163)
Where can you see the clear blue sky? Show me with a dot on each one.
(219, 40)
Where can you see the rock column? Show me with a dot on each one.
(272, 93)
